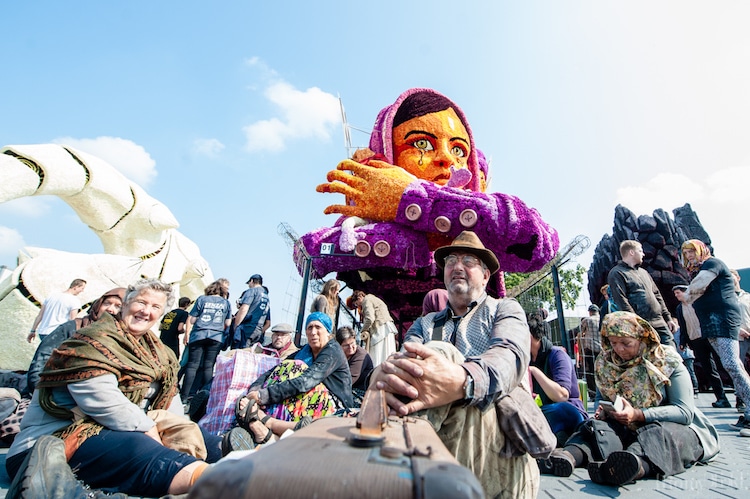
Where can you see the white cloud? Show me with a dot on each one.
(28, 207)
(720, 199)
(208, 147)
(126, 156)
(309, 114)
(10, 242)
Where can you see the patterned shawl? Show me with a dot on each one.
(702, 253)
(640, 379)
(105, 347)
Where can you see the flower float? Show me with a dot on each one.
(421, 182)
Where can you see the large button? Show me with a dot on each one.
(362, 249)
(382, 248)
(443, 224)
(468, 218)
(413, 212)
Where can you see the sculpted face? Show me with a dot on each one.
(428, 145)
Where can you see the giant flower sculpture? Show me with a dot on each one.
(421, 182)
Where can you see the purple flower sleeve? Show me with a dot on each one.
(518, 236)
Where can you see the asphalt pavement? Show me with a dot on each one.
(727, 476)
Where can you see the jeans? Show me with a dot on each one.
(199, 351)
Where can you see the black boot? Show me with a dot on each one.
(621, 467)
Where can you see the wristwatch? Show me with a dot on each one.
(468, 388)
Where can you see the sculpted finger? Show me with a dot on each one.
(346, 190)
(376, 163)
(348, 165)
(347, 211)
(346, 178)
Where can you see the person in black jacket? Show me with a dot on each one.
(690, 336)
(633, 290)
(325, 385)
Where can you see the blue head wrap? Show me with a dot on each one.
(322, 318)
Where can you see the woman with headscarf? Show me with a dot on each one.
(712, 294)
(316, 383)
(435, 301)
(94, 393)
(110, 303)
(658, 428)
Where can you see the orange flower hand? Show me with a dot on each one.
(374, 189)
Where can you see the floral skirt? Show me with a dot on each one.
(315, 403)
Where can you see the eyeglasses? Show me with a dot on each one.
(468, 261)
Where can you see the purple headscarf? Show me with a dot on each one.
(381, 138)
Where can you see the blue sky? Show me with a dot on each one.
(227, 112)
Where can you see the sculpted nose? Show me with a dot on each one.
(443, 156)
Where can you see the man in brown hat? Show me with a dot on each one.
(481, 352)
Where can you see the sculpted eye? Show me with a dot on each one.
(458, 151)
(423, 145)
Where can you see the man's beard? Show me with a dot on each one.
(459, 287)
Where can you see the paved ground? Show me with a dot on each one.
(727, 476)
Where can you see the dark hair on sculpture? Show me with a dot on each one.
(420, 104)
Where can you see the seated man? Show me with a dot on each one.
(482, 352)
(281, 341)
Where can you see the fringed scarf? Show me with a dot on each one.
(106, 347)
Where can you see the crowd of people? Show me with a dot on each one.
(643, 368)
(106, 381)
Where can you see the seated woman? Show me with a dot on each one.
(659, 429)
(554, 380)
(360, 362)
(316, 383)
(93, 394)
(110, 302)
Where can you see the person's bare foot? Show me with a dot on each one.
(260, 432)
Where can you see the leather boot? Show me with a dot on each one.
(45, 473)
(559, 463)
(621, 467)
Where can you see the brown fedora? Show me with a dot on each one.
(468, 242)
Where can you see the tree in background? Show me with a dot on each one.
(541, 293)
